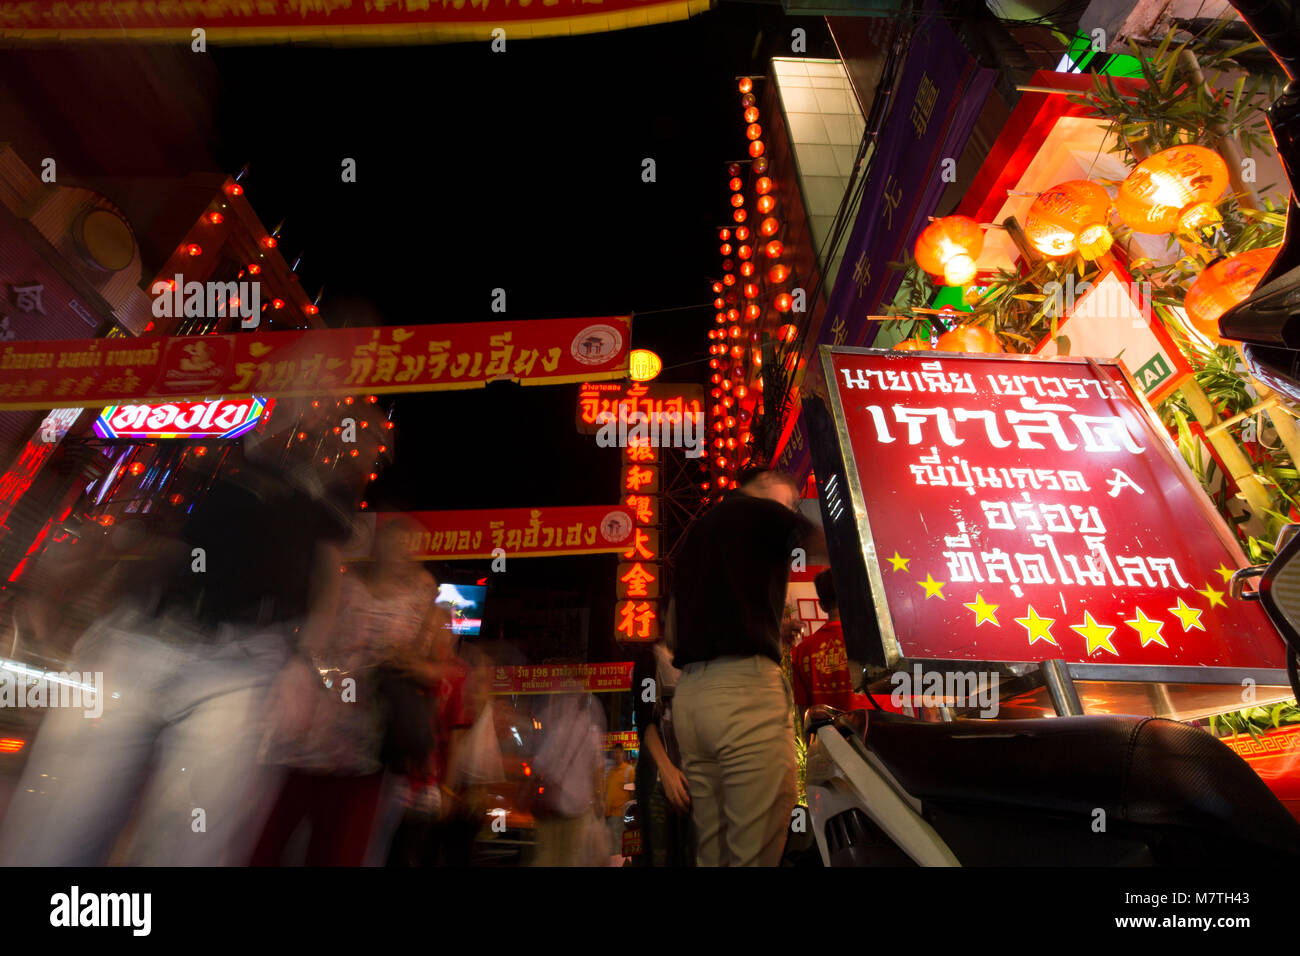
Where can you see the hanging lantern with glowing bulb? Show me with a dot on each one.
(751, 115)
(753, 131)
(1070, 217)
(782, 302)
(742, 233)
(1173, 190)
(756, 148)
(948, 248)
(773, 249)
(787, 333)
(778, 274)
(765, 204)
(745, 84)
(643, 365)
(1222, 285)
(969, 338)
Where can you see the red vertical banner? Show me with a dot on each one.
(637, 584)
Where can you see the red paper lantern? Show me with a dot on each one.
(747, 269)
(782, 302)
(1174, 189)
(1070, 217)
(769, 226)
(756, 148)
(969, 338)
(773, 249)
(736, 184)
(742, 233)
(1222, 285)
(787, 333)
(744, 252)
(753, 131)
(746, 84)
(760, 165)
(751, 115)
(777, 274)
(912, 345)
(948, 248)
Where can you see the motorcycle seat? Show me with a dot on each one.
(1143, 772)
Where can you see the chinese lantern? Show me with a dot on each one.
(1222, 285)
(717, 287)
(769, 226)
(728, 279)
(756, 148)
(725, 249)
(969, 338)
(742, 234)
(747, 269)
(744, 252)
(1172, 190)
(948, 248)
(765, 204)
(787, 333)
(763, 186)
(751, 290)
(782, 302)
(739, 215)
(912, 345)
(752, 312)
(737, 200)
(753, 131)
(773, 249)
(746, 84)
(216, 218)
(778, 274)
(724, 234)
(137, 468)
(751, 115)
(736, 184)
(644, 365)
(194, 249)
(760, 165)
(1070, 217)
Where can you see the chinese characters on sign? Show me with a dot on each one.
(520, 532)
(414, 358)
(1021, 510)
(636, 614)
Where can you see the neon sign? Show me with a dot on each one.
(216, 418)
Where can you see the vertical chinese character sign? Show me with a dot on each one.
(636, 615)
(1014, 509)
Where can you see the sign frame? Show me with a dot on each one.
(894, 657)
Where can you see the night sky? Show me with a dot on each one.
(475, 170)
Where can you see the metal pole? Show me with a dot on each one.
(1065, 698)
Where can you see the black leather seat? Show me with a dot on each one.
(1147, 774)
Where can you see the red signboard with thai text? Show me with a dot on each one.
(408, 358)
(563, 679)
(661, 403)
(1020, 509)
(516, 532)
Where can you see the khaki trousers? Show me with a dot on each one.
(733, 718)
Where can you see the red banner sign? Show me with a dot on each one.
(414, 358)
(409, 21)
(555, 679)
(517, 532)
(1019, 509)
(219, 418)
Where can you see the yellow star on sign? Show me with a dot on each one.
(1039, 628)
(1097, 635)
(899, 563)
(1148, 630)
(1225, 572)
(1214, 597)
(983, 611)
(932, 587)
(1190, 616)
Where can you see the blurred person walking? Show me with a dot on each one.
(189, 657)
(568, 783)
(732, 708)
(334, 762)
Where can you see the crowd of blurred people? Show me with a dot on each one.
(270, 704)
